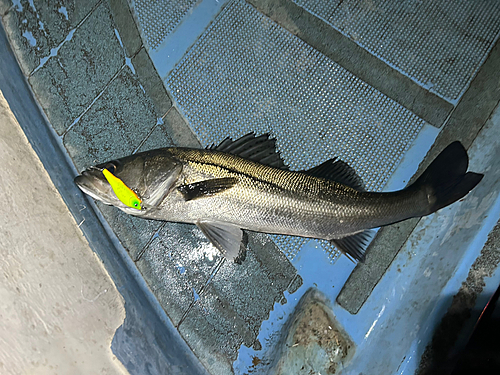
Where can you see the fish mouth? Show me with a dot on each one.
(90, 181)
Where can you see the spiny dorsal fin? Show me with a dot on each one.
(261, 149)
(355, 246)
(206, 188)
(338, 171)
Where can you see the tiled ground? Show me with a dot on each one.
(281, 66)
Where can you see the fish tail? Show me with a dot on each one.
(446, 179)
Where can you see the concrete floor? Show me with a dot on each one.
(59, 307)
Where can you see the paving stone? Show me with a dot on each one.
(34, 29)
(234, 304)
(68, 83)
(158, 138)
(212, 342)
(115, 125)
(152, 82)
(133, 232)
(177, 265)
(126, 26)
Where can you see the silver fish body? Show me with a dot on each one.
(223, 192)
(271, 200)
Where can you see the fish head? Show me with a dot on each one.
(150, 175)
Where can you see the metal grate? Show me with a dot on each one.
(246, 73)
(439, 44)
(159, 18)
(289, 245)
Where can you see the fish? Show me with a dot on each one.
(244, 184)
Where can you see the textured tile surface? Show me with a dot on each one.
(440, 44)
(114, 126)
(67, 83)
(233, 306)
(159, 18)
(35, 29)
(177, 264)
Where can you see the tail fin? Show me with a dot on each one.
(446, 180)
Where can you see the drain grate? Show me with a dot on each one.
(159, 18)
(439, 44)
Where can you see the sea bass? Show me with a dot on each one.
(244, 184)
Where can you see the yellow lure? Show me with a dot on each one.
(126, 195)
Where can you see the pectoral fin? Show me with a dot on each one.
(225, 237)
(206, 188)
(354, 246)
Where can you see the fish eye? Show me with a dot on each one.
(111, 166)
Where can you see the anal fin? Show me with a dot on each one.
(226, 237)
(354, 246)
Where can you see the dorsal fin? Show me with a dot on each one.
(261, 149)
(338, 171)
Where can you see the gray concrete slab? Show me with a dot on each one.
(176, 265)
(158, 138)
(104, 133)
(210, 300)
(133, 233)
(230, 310)
(126, 26)
(114, 126)
(34, 29)
(59, 309)
(67, 83)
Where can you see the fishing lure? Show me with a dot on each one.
(126, 195)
